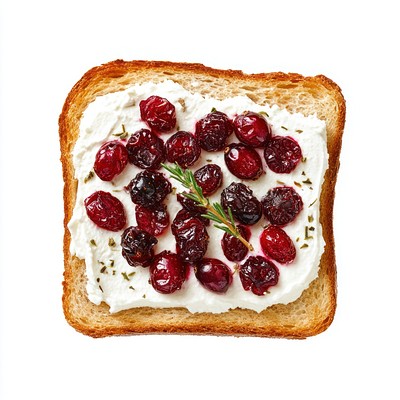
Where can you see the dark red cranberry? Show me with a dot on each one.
(137, 246)
(110, 161)
(282, 154)
(252, 128)
(183, 148)
(146, 150)
(276, 244)
(158, 113)
(190, 205)
(167, 272)
(209, 178)
(243, 161)
(182, 216)
(214, 275)
(244, 205)
(233, 248)
(149, 188)
(213, 130)
(106, 211)
(152, 220)
(281, 205)
(258, 274)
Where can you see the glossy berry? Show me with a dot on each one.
(182, 216)
(137, 246)
(167, 272)
(183, 149)
(213, 130)
(209, 178)
(110, 161)
(252, 129)
(152, 220)
(243, 161)
(190, 205)
(281, 205)
(282, 154)
(214, 275)
(106, 211)
(258, 274)
(233, 248)
(146, 150)
(276, 244)
(158, 113)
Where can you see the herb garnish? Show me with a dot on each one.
(89, 176)
(122, 135)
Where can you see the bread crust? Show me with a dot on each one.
(309, 315)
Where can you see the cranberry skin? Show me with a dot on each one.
(258, 274)
(233, 248)
(276, 244)
(190, 205)
(282, 154)
(137, 246)
(106, 211)
(182, 216)
(167, 272)
(146, 150)
(183, 149)
(245, 207)
(213, 130)
(243, 161)
(281, 205)
(152, 220)
(209, 178)
(110, 161)
(158, 113)
(214, 275)
(252, 129)
(149, 188)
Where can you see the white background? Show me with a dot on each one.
(46, 46)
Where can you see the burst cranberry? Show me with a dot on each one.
(146, 150)
(244, 205)
(110, 161)
(190, 205)
(252, 128)
(106, 211)
(214, 275)
(282, 154)
(243, 161)
(183, 148)
(213, 130)
(281, 205)
(167, 272)
(158, 113)
(209, 178)
(233, 248)
(258, 274)
(152, 220)
(276, 244)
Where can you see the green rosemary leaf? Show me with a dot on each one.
(212, 217)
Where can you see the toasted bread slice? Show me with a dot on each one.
(310, 314)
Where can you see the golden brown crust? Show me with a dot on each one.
(314, 311)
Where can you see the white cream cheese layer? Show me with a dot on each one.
(113, 281)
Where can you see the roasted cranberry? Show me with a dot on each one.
(213, 130)
(183, 148)
(158, 113)
(214, 275)
(243, 161)
(110, 161)
(252, 128)
(281, 205)
(190, 205)
(167, 272)
(182, 216)
(146, 150)
(258, 274)
(106, 211)
(137, 246)
(276, 244)
(149, 188)
(233, 248)
(282, 154)
(244, 205)
(209, 178)
(152, 220)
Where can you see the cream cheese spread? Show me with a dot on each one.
(113, 281)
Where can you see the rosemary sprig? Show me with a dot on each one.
(215, 212)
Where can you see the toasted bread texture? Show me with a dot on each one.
(310, 314)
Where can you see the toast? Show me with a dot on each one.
(314, 310)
